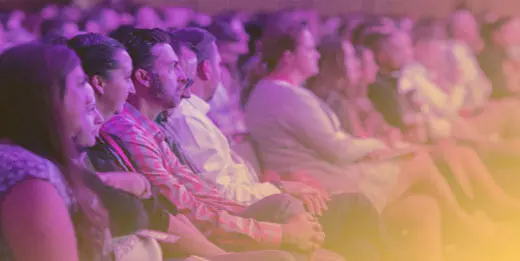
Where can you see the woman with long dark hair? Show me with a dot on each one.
(42, 101)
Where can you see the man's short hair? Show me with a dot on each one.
(198, 40)
(139, 45)
(123, 32)
(374, 40)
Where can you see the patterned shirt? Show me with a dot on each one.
(17, 165)
(215, 216)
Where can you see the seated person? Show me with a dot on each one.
(499, 63)
(47, 207)
(232, 42)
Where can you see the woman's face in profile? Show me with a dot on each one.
(90, 122)
(75, 100)
(352, 63)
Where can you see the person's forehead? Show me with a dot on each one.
(164, 54)
(123, 57)
(187, 53)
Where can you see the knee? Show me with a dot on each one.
(358, 205)
(426, 209)
(416, 210)
(424, 159)
(354, 200)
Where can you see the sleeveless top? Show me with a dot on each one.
(17, 165)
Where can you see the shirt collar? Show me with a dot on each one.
(139, 119)
(189, 106)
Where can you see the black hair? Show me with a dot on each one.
(140, 43)
(97, 53)
(199, 40)
(359, 31)
(54, 39)
(374, 40)
(122, 33)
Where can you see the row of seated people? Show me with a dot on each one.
(141, 142)
(50, 182)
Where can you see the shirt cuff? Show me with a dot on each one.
(272, 235)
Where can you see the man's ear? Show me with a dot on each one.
(142, 77)
(98, 84)
(204, 70)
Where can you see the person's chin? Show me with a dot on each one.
(91, 144)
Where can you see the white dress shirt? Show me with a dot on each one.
(476, 85)
(210, 151)
(225, 112)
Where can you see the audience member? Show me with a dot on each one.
(232, 42)
(464, 28)
(496, 59)
(43, 186)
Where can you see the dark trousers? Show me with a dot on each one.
(351, 224)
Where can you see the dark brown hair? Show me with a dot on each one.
(33, 78)
(31, 103)
(332, 62)
(332, 58)
(282, 34)
(140, 43)
(97, 53)
(199, 40)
